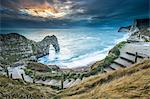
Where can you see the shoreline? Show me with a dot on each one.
(104, 53)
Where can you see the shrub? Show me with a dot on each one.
(28, 72)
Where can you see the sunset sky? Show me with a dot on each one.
(53, 13)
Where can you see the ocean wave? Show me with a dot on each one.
(83, 49)
(85, 60)
(80, 61)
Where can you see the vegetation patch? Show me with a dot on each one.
(38, 67)
(43, 72)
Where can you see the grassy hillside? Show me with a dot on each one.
(133, 82)
(16, 89)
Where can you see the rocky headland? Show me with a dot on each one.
(139, 30)
(15, 47)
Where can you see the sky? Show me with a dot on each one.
(69, 13)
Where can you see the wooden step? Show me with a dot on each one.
(122, 63)
(108, 69)
(127, 59)
(70, 83)
(119, 64)
(115, 66)
(133, 54)
(112, 67)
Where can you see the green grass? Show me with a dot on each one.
(28, 72)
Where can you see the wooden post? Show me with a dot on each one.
(11, 76)
(102, 69)
(62, 81)
(7, 72)
(34, 76)
(22, 77)
(136, 56)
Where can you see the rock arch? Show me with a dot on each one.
(44, 45)
(24, 48)
(55, 44)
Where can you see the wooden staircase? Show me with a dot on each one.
(125, 60)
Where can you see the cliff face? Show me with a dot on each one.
(14, 47)
(138, 25)
(140, 30)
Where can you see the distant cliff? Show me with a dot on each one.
(140, 30)
(142, 26)
(139, 25)
(14, 47)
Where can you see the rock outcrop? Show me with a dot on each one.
(138, 25)
(14, 47)
(124, 29)
(140, 30)
(43, 46)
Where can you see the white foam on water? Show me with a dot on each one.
(78, 47)
(79, 61)
(65, 60)
(84, 60)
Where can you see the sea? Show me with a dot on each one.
(78, 46)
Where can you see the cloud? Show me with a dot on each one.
(72, 11)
